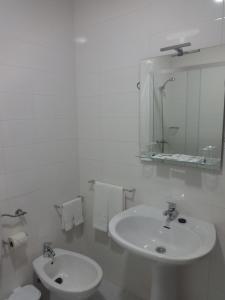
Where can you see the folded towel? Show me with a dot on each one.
(1, 238)
(100, 212)
(115, 201)
(72, 214)
(108, 201)
(78, 213)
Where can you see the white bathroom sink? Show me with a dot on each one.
(141, 230)
(71, 276)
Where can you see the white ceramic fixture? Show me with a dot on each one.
(71, 275)
(27, 292)
(144, 231)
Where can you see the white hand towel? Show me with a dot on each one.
(100, 211)
(78, 214)
(1, 237)
(72, 214)
(116, 201)
(108, 201)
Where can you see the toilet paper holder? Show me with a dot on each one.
(7, 243)
(18, 213)
(10, 243)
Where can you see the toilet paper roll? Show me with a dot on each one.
(17, 239)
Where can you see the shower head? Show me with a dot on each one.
(162, 87)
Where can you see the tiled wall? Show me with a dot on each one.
(111, 38)
(38, 165)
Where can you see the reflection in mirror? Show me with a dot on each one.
(182, 108)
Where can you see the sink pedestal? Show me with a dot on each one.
(164, 285)
(55, 297)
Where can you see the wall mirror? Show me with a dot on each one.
(182, 108)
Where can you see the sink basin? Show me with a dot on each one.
(145, 231)
(71, 276)
(141, 230)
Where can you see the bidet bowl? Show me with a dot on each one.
(142, 230)
(71, 276)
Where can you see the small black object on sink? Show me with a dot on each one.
(160, 249)
(182, 220)
(59, 280)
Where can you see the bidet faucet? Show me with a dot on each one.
(171, 212)
(48, 251)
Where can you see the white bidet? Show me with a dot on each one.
(70, 276)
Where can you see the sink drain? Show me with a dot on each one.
(160, 250)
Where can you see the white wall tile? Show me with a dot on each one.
(44, 82)
(16, 106)
(91, 149)
(53, 106)
(17, 132)
(22, 20)
(88, 83)
(124, 152)
(3, 187)
(120, 80)
(90, 127)
(176, 13)
(27, 54)
(120, 129)
(97, 11)
(22, 183)
(15, 79)
(20, 158)
(54, 152)
(38, 149)
(131, 39)
(88, 41)
(120, 104)
(65, 129)
(44, 106)
(90, 169)
(53, 129)
(65, 106)
(89, 106)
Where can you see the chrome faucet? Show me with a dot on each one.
(171, 212)
(48, 251)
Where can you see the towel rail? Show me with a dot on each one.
(133, 190)
(125, 190)
(59, 206)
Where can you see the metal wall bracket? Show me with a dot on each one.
(18, 213)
